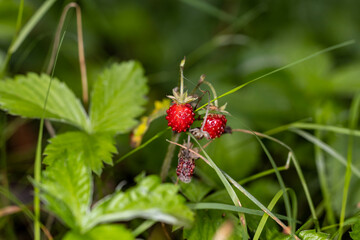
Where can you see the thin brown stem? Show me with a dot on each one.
(82, 62)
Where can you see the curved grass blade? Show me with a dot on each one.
(313, 126)
(270, 207)
(329, 49)
(227, 185)
(227, 207)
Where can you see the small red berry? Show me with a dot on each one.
(215, 125)
(180, 117)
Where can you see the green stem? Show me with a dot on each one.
(352, 125)
(182, 64)
(168, 157)
(37, 166)
(213, 92)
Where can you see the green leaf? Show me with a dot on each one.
(304, 235)
(25, 96)
(207, 222)
(117, 98)
(149, 199)
(108, 232)
(67, 189)
(95, 148)
(313, 235)
(195, 191)
(355, 233)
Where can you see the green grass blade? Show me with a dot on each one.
(327, 149)
(321, 169)
(31, 24)
(227, 185)
(37, 166)
(156, 136)
(271, 205)
(143, 227)
(281, 182)
(313, 126)
(227, 207)
(329, 49)
(354, 116)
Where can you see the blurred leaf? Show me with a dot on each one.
(148, 199)
(108, 232)
(207, 222)
(346, 80)
(355, 233)
(25, 96)
(95, 148)
(117, 97)
(67, 188)
(194, 191)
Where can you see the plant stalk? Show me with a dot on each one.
(168, 157)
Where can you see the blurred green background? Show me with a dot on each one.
(232, 42)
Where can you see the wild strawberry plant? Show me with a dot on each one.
(67, 182)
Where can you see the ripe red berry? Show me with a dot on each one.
(180, 117)
(215, 125)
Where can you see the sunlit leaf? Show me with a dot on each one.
(67, 188)
(96, 148)
(117, 98)
(25, 96)
(148, 199)
(108, 232)
(355, 233)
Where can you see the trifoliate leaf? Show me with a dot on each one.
(25, 96)
(355, 233)
(108, 232)
(118, 97)
(67, 188)
(148, 199)
(96, 148)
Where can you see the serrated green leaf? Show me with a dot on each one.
(96, 148)
(25, 96)
(67, 189)
(117, 97)
(355, 233)
(148, 199)
(108, 232)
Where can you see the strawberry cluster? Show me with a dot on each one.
(181, 116)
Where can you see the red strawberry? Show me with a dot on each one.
(180, 117)
(215, 125)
